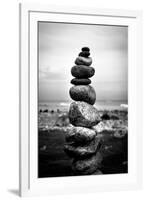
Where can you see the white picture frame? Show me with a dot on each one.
(30, 185)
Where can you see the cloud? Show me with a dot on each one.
(45, 74)
(60, 44)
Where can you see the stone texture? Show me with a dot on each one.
(110, 126)
(74, 150)
(83, 143)
(87, 165)
(84, 93)
(80, 60)
(83, 114)
(82, 81)
(82, 71)
(80, 135)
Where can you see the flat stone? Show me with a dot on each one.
(83, 114)
(75, 151)
(80, 60)
(80, 135)
(82, 81)
(87, 165)
(84, 93)
(85, 54)
(82, 71)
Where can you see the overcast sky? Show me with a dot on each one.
(60, 44)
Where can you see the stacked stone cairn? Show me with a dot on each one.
(82, 141)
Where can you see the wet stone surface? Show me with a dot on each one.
(80, 135)
(83, 114)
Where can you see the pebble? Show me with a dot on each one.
(87, 165)
(80, 135)
(83, 114)
(82, 81)
(85, 54)
(82, 71)
(84, 93)
(83, 61)
(75, 151)
(85, 49)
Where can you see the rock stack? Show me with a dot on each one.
(82, 141)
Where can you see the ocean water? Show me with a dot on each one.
(100, 105)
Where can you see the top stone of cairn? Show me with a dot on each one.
(85, 52)
(83, 57)
(85, 49)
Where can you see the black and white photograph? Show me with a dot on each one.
(82, 99)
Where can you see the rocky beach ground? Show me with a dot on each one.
(53, 127)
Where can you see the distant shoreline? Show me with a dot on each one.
(100, 105)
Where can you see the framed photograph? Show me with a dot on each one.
(80, 100)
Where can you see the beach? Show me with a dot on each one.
(53, 123)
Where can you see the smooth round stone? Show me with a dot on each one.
(84, 93)
(82, 151)
(80, 60)
(82, 81)
(80, 135)
(87, 165)
(82, 71)
(85, 54)
(83, 114)
(85, 49)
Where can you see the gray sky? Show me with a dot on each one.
(60, 44)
